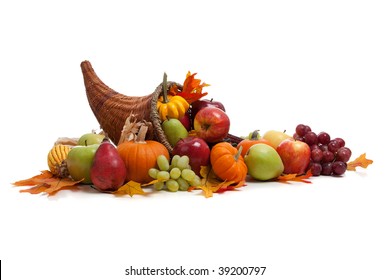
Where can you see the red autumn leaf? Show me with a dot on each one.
(287, 178)
(360, 161)
(48, 183)
(192, 88)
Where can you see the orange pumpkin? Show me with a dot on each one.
(227, 162)
(139, 156)
(252, 140)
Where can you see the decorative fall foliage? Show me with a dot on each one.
(48, 183)
(287, 178)
(192, 88)
(212, 184)
(360, 161)
(130, 188)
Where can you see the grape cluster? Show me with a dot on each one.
(328, 156)
(174, 176)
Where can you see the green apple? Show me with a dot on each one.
(174, 130)
(275, 137)
(79, 162)
(90, 139)
(263, 162)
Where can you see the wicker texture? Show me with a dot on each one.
(112, 108)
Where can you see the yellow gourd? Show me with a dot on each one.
(55, 158)
(171, 106)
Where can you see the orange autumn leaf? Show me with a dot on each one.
(287, 178)
(47, 183)
(360, 161)
(210, 183)
(192, 88)
(132, 188)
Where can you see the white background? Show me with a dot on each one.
(273, 64)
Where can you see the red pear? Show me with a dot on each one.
(108, 171)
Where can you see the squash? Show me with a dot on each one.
(171, 106)
(227, 162)
(140, 155)
(56, 160)
(254, 138)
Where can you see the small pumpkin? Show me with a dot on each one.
(171, 106)
(227, 162)
(139, 155)
(254, 138)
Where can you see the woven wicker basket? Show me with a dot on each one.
(112, 108)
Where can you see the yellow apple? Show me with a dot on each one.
(275, 137)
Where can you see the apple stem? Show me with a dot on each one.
(165, 89)
(237, 155)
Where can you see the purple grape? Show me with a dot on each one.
(316, 169)
(323, 138)
(339, 167)
(340, 141)
(316, 155)
(300, 130)
(326, 169)
(334, 146)
(343, 154)
(311, 138)
(327, 156)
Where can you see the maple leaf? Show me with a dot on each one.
(210, 183)
(192, 88)
(131, 188)
(48, 183)
(360, 161)
(287, 178)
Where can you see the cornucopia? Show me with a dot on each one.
(144, 140)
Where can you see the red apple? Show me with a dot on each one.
(199, 104)
(196, 149)
(211, 124)
(295, 156)
(186, 121)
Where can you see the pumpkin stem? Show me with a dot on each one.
(142, 133)
(237, 155)
(165, 89)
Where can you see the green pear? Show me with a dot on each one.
(174, 130)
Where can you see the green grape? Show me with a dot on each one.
(153, 172)
(158, 186)
(183, 162)
(188, 174)
(172, 185)
(163, 175)
(183, 184)
(163, 163)
(174, 160)
(196, 182)
(175, 173)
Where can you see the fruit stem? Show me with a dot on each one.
(165, 89)
(255, 135)
(237, 155)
